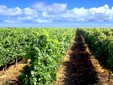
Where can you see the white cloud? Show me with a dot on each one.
(43, 21)
(77, 14)
(102, 13)
(30, 12)
(53, 8)
(10, 11)
(45, 13)
(11, 21)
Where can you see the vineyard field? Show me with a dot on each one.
(45, 49)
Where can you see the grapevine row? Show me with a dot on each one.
(43, 47)
(100, 41)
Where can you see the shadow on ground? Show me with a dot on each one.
(79, 70)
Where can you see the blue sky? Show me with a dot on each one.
(56, 13)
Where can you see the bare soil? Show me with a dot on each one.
(10, 75)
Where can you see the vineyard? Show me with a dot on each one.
(100, 41)
(46, 48)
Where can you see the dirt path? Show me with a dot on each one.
(79, 67)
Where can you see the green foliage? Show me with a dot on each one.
(100, 42)
(43, 47)
(46, 57)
